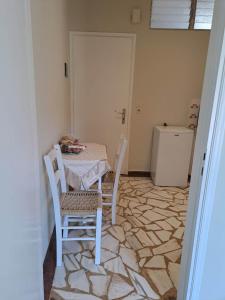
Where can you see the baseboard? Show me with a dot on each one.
(138, 174)
(49, 266)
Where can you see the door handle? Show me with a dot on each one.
(123, 114)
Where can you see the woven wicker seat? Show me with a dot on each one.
(80, 203)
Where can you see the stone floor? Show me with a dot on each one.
(140, 255)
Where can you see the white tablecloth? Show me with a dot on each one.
(84, 169)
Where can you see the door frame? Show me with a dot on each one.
(197, 231)
(132, 37)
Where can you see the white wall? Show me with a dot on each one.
(212, 285)
(169, 67)
(50, 39)
(20, 254)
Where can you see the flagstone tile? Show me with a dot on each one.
(165, 212)
(143, 220)
(110, 243)
(134, 221)
(115, 265)
(118, 288)
(70, 264)
(120, 220)
(141, 200)
(161, 279)
(145, 252)
(174, 273)
(124, 202)
(173, 222)
(78, 257)
(140, 193)
(78, 280)
(158, 203)
(152, 195)
(179, 208)
(128, 211)
(71, 247)
(161, 193)
(174, 256)
(136, 211)
(179, 233)
(137, 215)
(133, 204)
(143, 238)
(153, 216)
(153, 227)
(166, 247)
(164, 225)
(118, 233)
(142, 286)
(129, 258)
(142, 262)
(74, 296)
(126, 226)
(133, 296)
(154, 238)
(59, 278)
(144, 207)
(180, 196)
(100, 284)
(164, 235)
(134, 242)
(139, 180)
(127, 245)
(88, 264)
(157, 261)
(120, 211)
(86, 253)
(183, 214)
(106, 255)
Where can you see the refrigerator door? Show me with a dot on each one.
(172, 155)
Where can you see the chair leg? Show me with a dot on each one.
(98, 236)
(65, 223)
(100, 184)
(58, 247)
(114, 198)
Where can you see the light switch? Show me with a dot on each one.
(136, 16)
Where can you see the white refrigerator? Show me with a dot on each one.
(171, 155)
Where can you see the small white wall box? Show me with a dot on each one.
(136, 16)
(171, 154)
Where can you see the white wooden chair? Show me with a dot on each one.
(82, 208)
(110, 189)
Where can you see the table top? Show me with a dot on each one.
(93, 152)
(85, 168)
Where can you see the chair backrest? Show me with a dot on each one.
(56, 176)
(119, 162)
(61, 168)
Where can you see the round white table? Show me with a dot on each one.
(84, 169)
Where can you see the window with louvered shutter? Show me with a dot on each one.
(181, 14)
(204, 14)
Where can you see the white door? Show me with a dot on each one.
(101, 80)
(211, 125)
